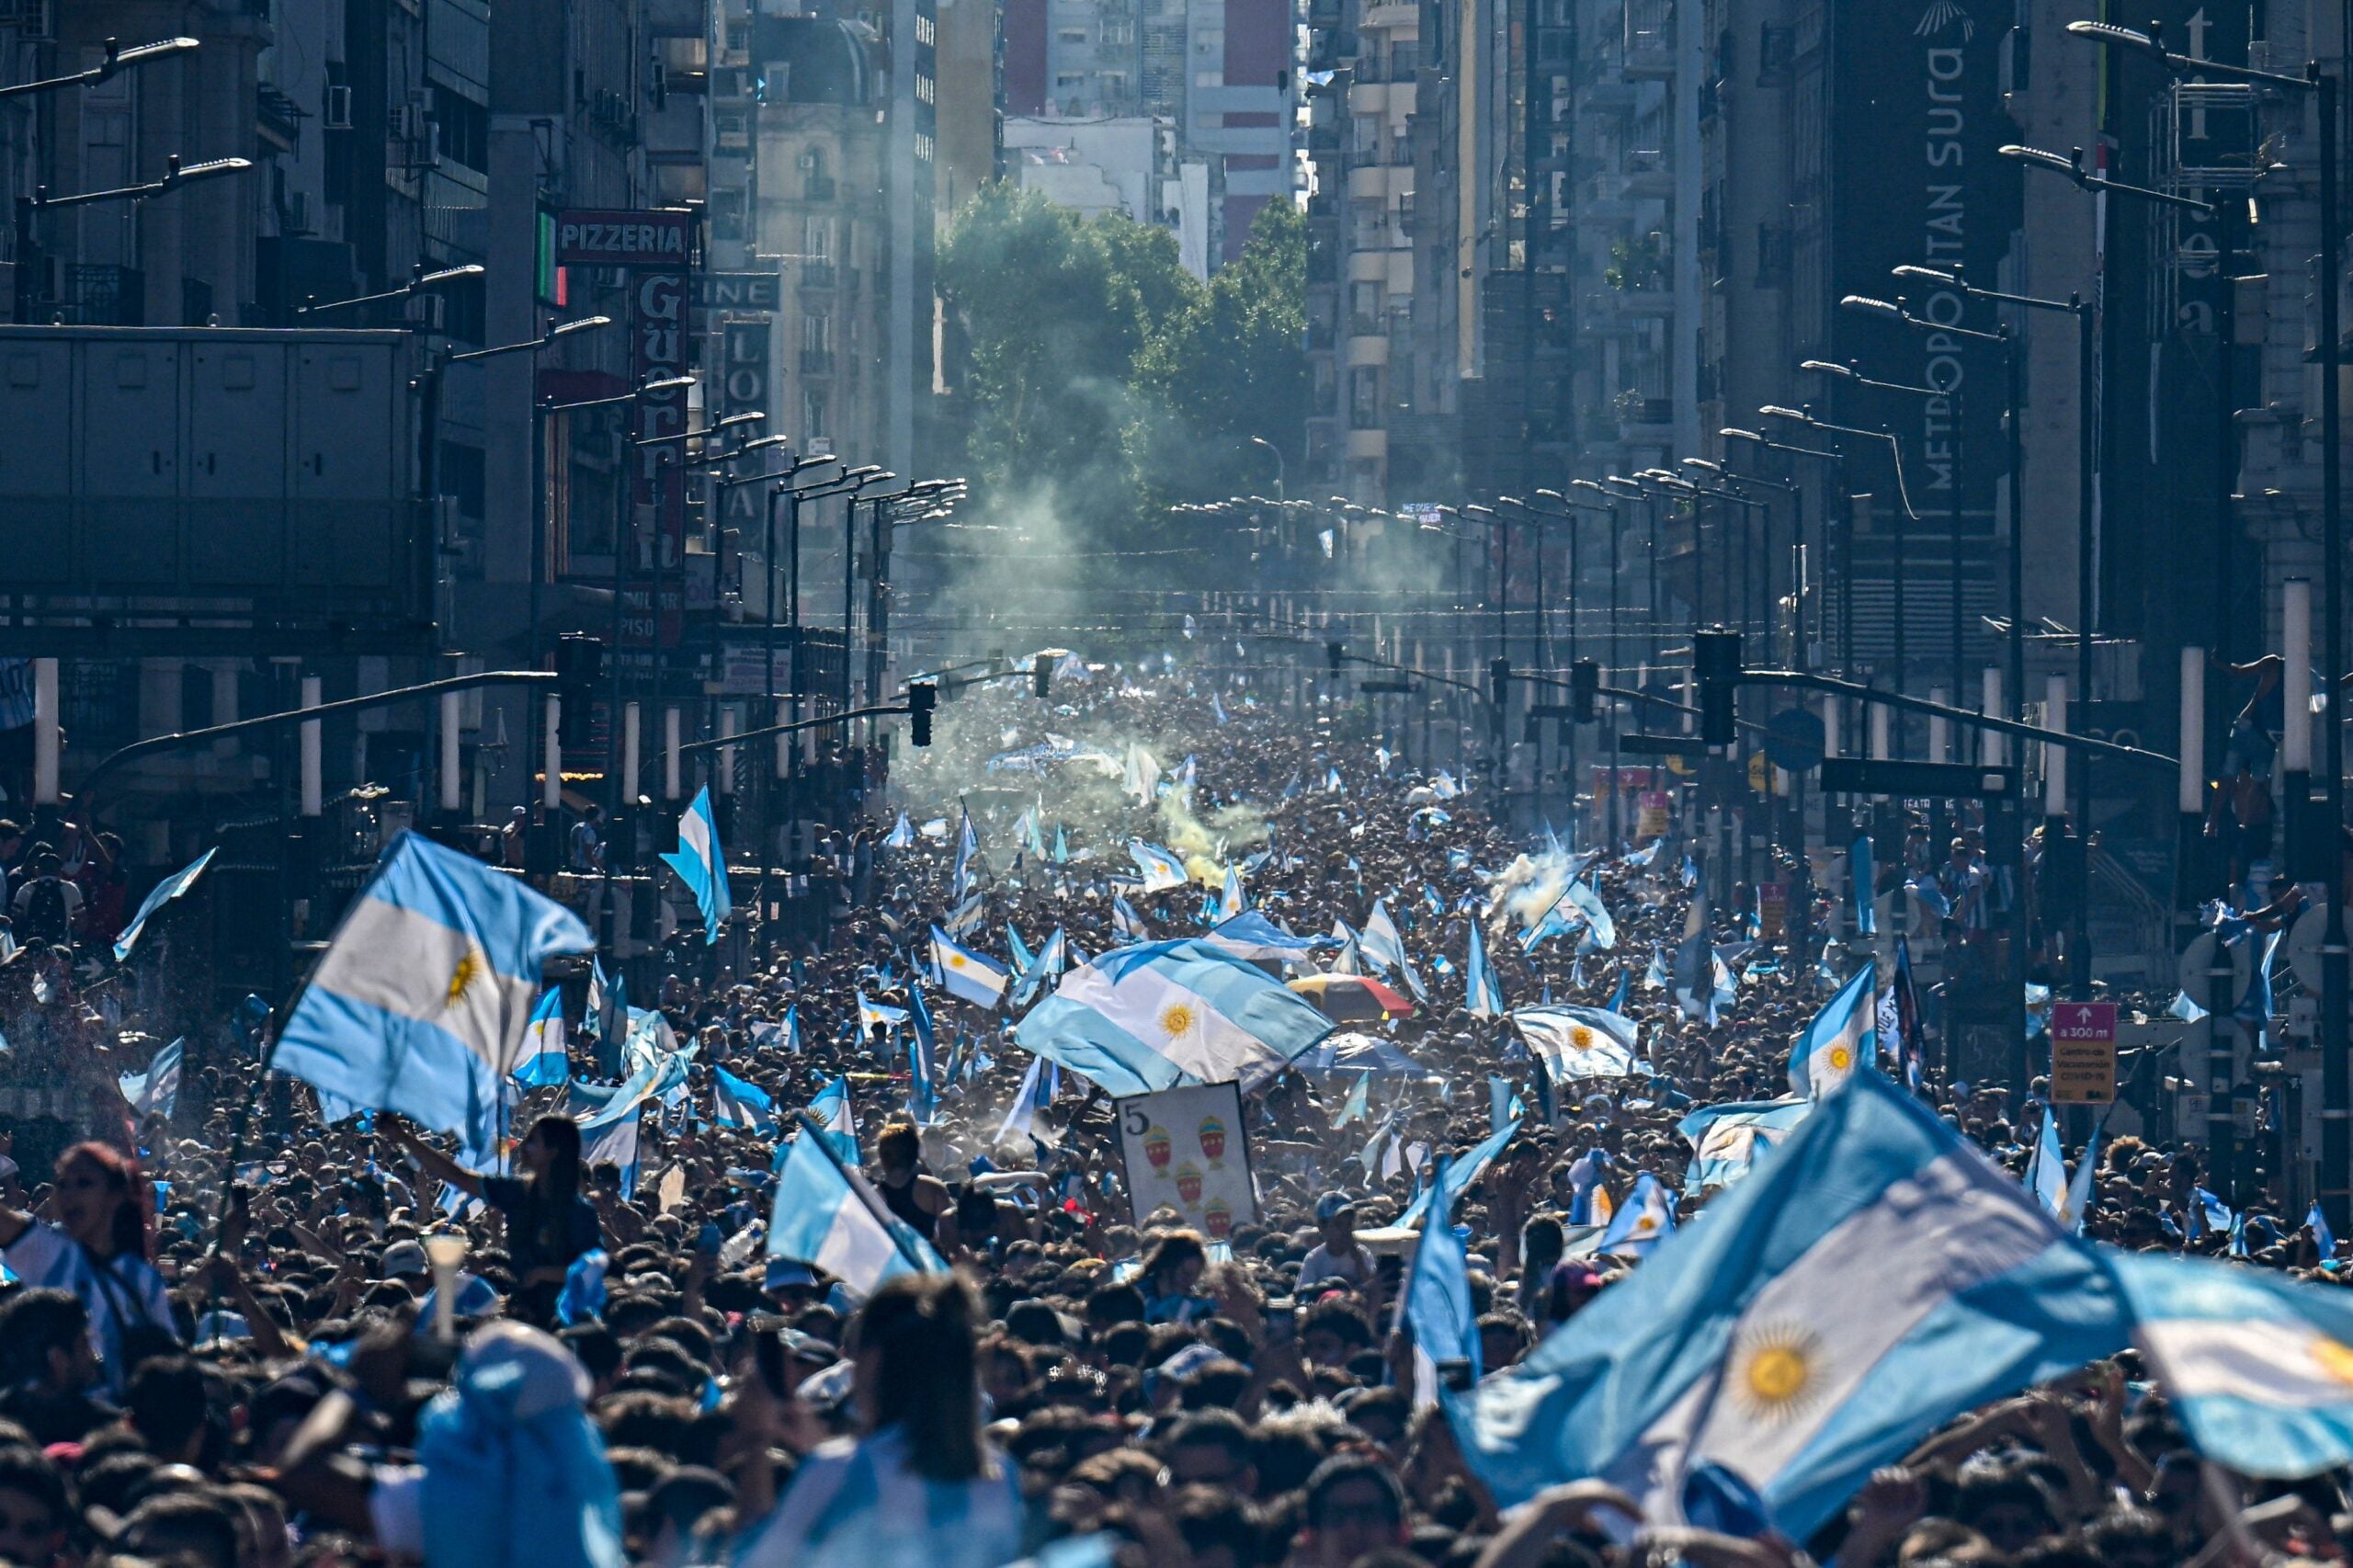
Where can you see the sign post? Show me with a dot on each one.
(2082, 1052)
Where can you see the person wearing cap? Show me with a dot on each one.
(404, 1264)
(1336, 1254)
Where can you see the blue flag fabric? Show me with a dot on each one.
(1160, 1014)
(544, 1062)
(1739, 1342)
(1437, 1303)
(923, 1062)
(156, 1092)
(420, 1002)
(827, 1217)
(740, 1105)
(701, 864)
(1843, 1039)
(164, 893)
(1484, 993)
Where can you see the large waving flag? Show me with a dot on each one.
(1484, 992)
(1875, 1278)
(1254, 937)
(1842, 1040)
(701, 865)
(1162, 1013)
(827, 1217)
(1438, 1199)
(420, 1002)
(615, 1144)
(2257, 1370)
(1385, 945)
(967, 975)
(1051, 959)
(164, 893)
(1161, 869)
(1579, 1042)
(544, 1062)
(1726, 1139)
(736, 1104)
(156, 1092)
(1601, 930)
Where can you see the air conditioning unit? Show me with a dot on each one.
(338, 109)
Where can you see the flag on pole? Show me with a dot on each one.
(829, 1112)
(967, 841)
(701, 865)
(1486, 993)
(2046, 1173)
(420, 1002)
(1231, 899)
(1438, 1306)
(1126, 923)
(156, 1092)
(1160, 1014)
(923, 1061)
(164, 893)
(1021, 1115)
(827, 1217)
(1579, 1042)
(1162, 870)
(1858, 864)
(1048, 966)
(1645, 1220)
(967, 975)
(1842, 1040)
(544, 1060)
(902, 835)
(615, 1144)
(742, 1106)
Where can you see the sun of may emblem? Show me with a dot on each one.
(2335, 1359)
(1775, 1372)
(1841, 1058)
(955, 961)
(1177, 1020)
(1580, 1038)
(470, 967)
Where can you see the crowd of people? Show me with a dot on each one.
(233, 1335)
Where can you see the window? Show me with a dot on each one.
(927, 32)
(924, 149)
(813, 426)
(1772, 253)
(1115, 84)
(1117, 34)
(1210, 40)
(817, 333)
(1775, 48)
(817, 237)
(1364, 308)
(1364, 397)
(1071, 79)
(1209, 78)
(926, 91)
(461, 129)
(1073, 37)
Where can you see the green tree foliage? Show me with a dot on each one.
(1102, 381)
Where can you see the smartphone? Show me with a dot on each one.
(767, 1354)
(1282, 1320)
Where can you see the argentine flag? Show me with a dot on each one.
(164, 893)
(830, 1113)
(1842, 1039)
(2046, 1173)
(1254, 937)
(742, 1106)
(1579, 1042)
(1601, 930)
(1484, 992)
(701, 865)
(827, 1217)
(1051, 959)
(156, 1092)
(544, 1062)
(420, 1002)
(1726, 1139)
(1438, 1307)
(902, 835)
(615, 1144)
(1162, 1013)
(1126, 923)
(967, 841)
(1385, 945)
(1162, 870)
(964, 974)
(923, 1061)
(1874, 1279)
(2257, 1370)
(1231, 900)
(1436, 1200)
(1646, 1219)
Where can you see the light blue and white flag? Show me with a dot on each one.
(2188, 1011)
(420, 1002)
(1017, 952)
(1865, 880)
(1436, 1201)
(156, 1092)
(1484, 993)
(1726, 1139)
(923, 1061)
(701, 864)
(2046, 1173)
(1231, 900)
(1385, 945)
(2257, 1370)
(1646, 1219)
(1254, 937)
(1160, 1014)
(1048, 966)
(1842, 1040)
(2323, 1237)
(615, 1144)
(1161, 869)
(1353, 1109)
(164, 893)
(742, 1106)
(545, 1062)
(1022, 1114)
(902, 835)
(871, 1013)
(1579, 1042)
(967, 843)
(1875, 1278)
(830, 1113)
(1437, 1305)
(2079, 1198)
(1601, 930)
(967, 975)
(827, 1217)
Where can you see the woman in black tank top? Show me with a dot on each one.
(913, 1197)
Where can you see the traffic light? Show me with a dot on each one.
(921, 697)
(579, 658)
(1331, 658)
(1584, 689)
(1499, 680)
(1715, 659)
(1041, 676)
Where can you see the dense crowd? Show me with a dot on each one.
(220, 1344)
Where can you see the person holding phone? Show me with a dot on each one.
(549, 1222)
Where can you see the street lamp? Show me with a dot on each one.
(420, 281)
(175, 175)
(1853, 376)
(116, 60)
(1276, 452)
(2071, 169)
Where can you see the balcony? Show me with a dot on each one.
(817, 188)
(817, 274)
(816, 362)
